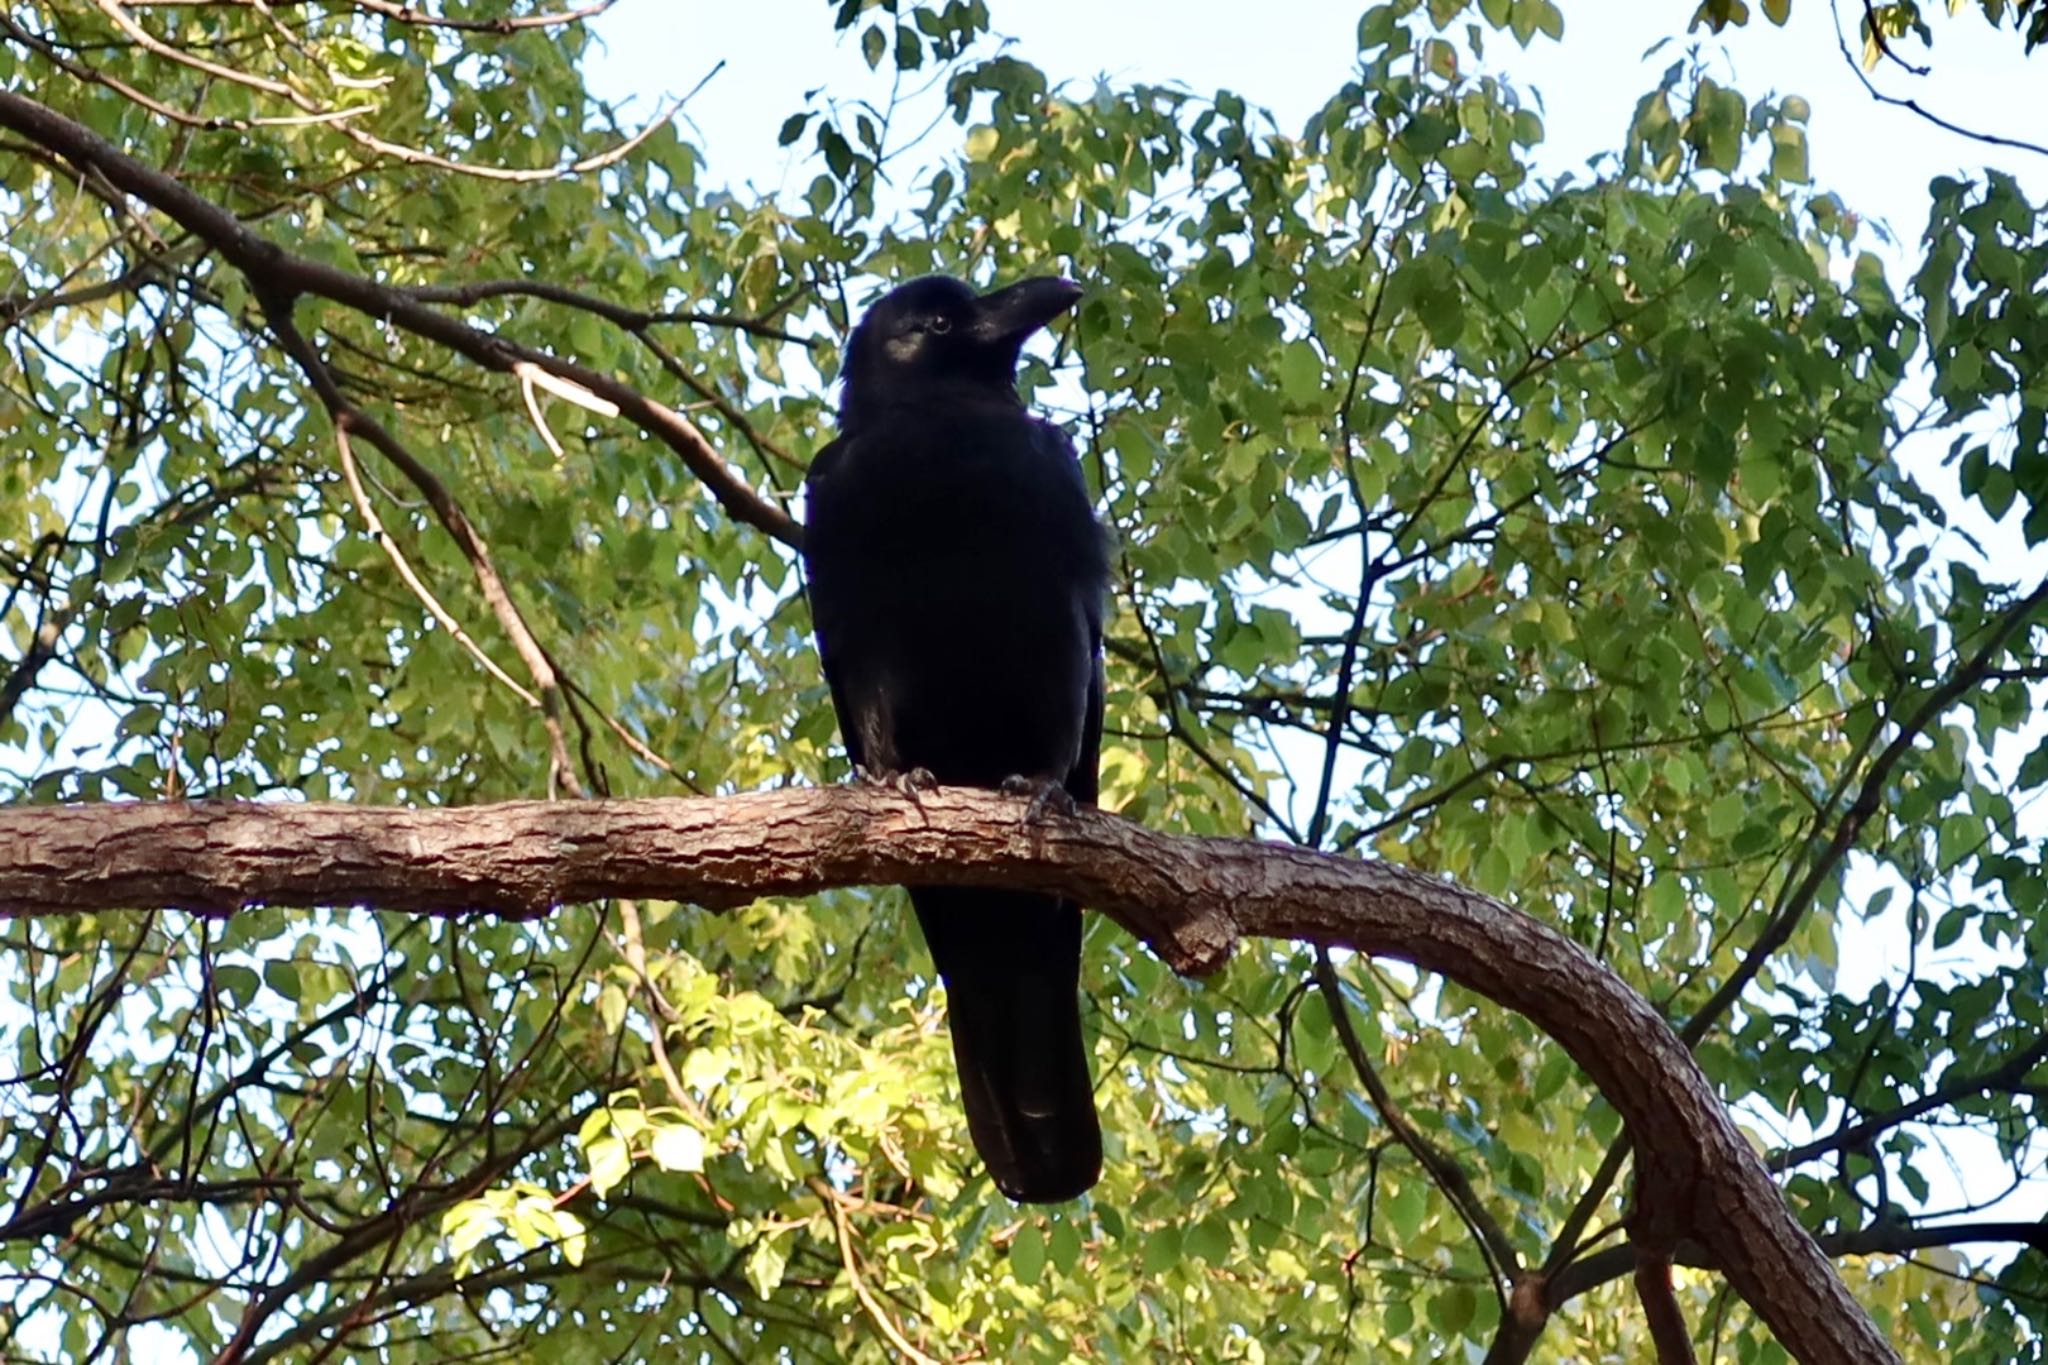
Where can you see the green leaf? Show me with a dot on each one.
(1208, 1241)
(1162, 1250)
(765, 1267)
(678, 1147)
(1725, 816)
(1027, 1253)
(1064, 1246)
(1405, 1205)
(610, 1161)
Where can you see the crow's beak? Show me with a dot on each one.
(1010, 315)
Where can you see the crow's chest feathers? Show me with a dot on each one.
(987, 491)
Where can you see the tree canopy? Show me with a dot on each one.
(411, 427)
(1882, 25)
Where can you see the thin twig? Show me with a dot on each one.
(1503, 1262)
(457, 523)
(533, 412)
(477, 291)
(149, 42)
(1914, 106)
(413, 14)
(375, 526)
(876, 1312)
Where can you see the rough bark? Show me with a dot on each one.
(1698, 1181)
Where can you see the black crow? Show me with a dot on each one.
(957, 580)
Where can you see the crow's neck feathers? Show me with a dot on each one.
(867, 405)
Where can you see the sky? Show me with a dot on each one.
(1878, 159)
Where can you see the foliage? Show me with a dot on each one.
(1884, 24)
(1553, 535)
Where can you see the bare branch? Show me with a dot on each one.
(1660, 1306)
(375, 526)
(1913, 105)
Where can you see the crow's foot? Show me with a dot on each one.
(908, 783)
(1046, 793)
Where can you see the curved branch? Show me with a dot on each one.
(375, 526)
(1912, 105)
(835, 1205)
(279, 274)
(1189, 898)
(346, 417)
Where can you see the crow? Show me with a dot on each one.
(957, 578)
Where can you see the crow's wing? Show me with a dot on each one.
(827, 612)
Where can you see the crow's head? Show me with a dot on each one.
(936, 332)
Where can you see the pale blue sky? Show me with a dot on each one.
(1289, 56)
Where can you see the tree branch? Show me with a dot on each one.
(277, 273)
(1966, 675)
(1495, 1245)
(2006, 1077)
(1189, 898)
(1660, 1306)
(1886, 1238)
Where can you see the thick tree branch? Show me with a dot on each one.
(1189, 898)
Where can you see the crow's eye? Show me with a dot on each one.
(940, 325)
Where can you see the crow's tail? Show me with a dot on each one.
(1011, 961)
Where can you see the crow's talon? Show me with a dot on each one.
(1046, 793)
(908, 784)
